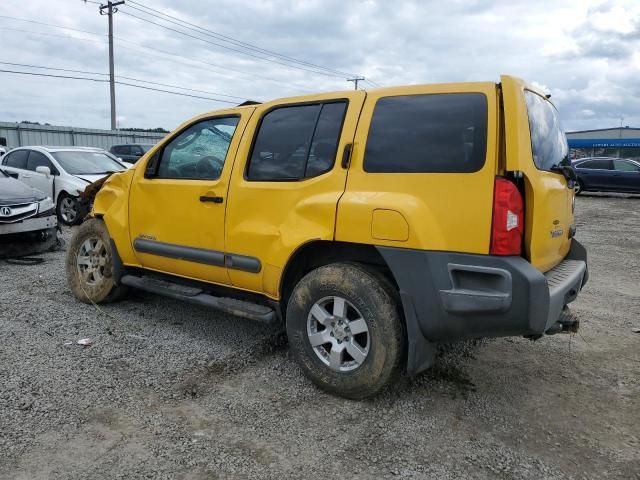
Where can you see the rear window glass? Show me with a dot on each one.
(548, 141)
(434, 133)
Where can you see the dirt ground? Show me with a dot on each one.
(170, 390)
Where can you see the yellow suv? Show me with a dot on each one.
(373, 225)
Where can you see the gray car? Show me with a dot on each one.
(130, 153)
(27, 218)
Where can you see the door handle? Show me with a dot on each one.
(26, 176)
(206, 198)
(346, 155)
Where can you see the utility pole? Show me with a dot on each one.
(355, 80)
(109, 9)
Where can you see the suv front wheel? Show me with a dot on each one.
(345, 331)
(89, 264)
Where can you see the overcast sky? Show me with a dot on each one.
(585, 53)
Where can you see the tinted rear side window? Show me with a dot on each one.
(325, 140)
(296, 142)
(548, 142)
(434, 133)
(17, 159)
(596, 164)
(625, 166)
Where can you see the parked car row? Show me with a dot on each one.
(61, 173)
(604, 174)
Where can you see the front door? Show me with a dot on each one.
(178, 198)
(39, 181)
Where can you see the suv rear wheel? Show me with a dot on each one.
(89, 264)
(345, 330)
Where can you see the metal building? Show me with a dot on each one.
(22, 134)
(623, 142)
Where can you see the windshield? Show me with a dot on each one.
(146, 148)
(86, 163)
(548, 141)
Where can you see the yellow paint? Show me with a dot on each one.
(271, 220)
(111, 203)
(445, 211)
(548, 198)
(170, 211)
(389, 225)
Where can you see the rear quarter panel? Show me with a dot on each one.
(443, 211)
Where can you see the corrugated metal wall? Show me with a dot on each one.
(23, 134)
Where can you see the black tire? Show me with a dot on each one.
(579, 187)
(371, 298)
(65, 217)
(97, 286)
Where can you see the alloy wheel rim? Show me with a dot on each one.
(338, 334)
(91, 261)
(68, 210)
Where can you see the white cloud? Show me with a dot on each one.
(585, 53)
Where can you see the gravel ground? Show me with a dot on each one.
(171, 390)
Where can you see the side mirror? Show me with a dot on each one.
(46, 171)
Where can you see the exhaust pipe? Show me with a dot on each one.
(567, 323)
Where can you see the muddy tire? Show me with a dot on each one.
(345, 330)
(89, 265)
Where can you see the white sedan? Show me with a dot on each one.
(61, 173)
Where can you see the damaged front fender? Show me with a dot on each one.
(109, 197)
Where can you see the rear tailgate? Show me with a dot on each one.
(535, 143)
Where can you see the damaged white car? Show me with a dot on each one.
(61, 173)
(28, 221)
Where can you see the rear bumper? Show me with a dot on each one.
(452, 296)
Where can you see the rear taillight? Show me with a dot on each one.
(508, 219)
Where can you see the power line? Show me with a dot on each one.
(54, 76)
(122, 76)
(52, 68)
(176, 93)
(52, 25)
(179, 57)
(232, 40)
(101, 80)
(229, 48)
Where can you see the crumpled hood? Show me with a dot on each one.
(90, 178)
(13, 191)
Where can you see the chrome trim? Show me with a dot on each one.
(17, 212)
